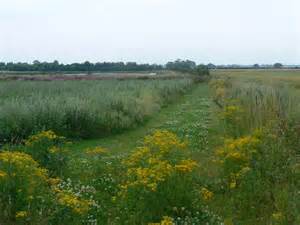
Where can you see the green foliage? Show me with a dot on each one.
(23, 189)
(181, 65)
(277, 65)
(202, 70)
(187, 66)
(49, 150)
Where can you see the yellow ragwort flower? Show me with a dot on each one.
(21, 214)
(2, 174)
(71, 201)
(54, 150)
(165, 221)
(277, 216)
(206, 194)
(232, 184)
(96, 151)
(186, 165)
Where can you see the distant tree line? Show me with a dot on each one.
(255, 66)
(186, 66)
(80, 67)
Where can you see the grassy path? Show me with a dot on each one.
(189, 118)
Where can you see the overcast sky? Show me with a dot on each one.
(154, 31)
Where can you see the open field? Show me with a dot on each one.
(167, 152)
(271, 75)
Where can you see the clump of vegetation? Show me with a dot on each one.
(23, 185)
(81, 108)
(30, 193)
(188, 66)
(161, 180)
(49, 150)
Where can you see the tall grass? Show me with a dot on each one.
(81, 108)
(261, 104)
(258, 162)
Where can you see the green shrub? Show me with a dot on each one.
(24, 190)
(49, 150)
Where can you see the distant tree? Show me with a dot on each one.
(256, 66)
(211, 66)
(181, 65)
(2, 66)
(87, 66)
(36, 62)
(202, 70)
(277, 65)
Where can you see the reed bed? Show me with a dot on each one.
(81, 108)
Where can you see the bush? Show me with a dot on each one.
(49, 150)
(23, 189)
(29, 196)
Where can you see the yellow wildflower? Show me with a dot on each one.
(2, 174)
(21, 214)
(231, 112)
(186, 165)
(235, 155)
(78, 206)
(206, 194)
(164, 141)
(240, 149)
(154, 163)
(137, 156)
(54, 149)
(54, 181)
(96, 151)
(277, 216)
(149, 177)
(243, 171)
(165, 221)
(24, 163)
(43, 135)
(232, 184)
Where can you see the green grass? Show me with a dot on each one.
(181, 117)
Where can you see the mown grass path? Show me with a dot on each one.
(189, 117)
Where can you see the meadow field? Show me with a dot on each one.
(163, 151)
